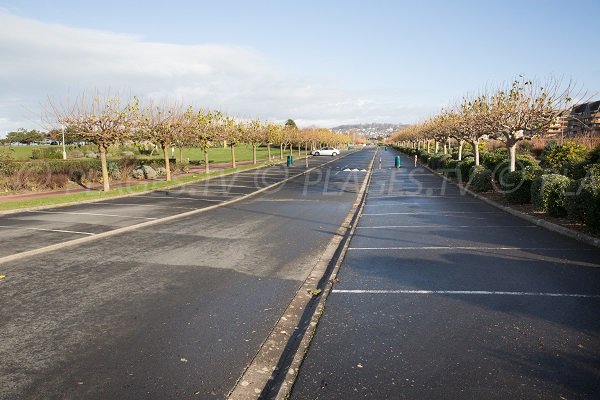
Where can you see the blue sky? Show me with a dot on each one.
(320, 62)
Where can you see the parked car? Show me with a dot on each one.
(326, 151)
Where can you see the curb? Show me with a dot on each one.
(582, 237)
(271, 374)
(57, 246)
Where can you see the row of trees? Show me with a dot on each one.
(106, 121)
(510, 114)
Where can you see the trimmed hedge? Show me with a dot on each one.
(548, 194)
(466, 167)
(516, 185)
(481, 179)
(582, 200)
(451, 167)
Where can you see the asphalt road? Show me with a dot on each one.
(170, 311)
(29, 230)
(442, 296)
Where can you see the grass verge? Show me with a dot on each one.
(96, 195)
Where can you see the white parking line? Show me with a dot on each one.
(141, 205)
(463, 248)
(434, 212)
(446, 226)
(46, 230)
(410, 195)
(176, 198)
(467, 292)
(86, 213)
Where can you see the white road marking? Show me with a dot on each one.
(175, 198)
(446, 226)
(410, 195)
(467, 248)
(46, 230)
(467, 292)
(86, 213)
(140, 205)
(435, 212)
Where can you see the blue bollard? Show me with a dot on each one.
(397, 162)
(290, 161)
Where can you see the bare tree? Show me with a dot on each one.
(525, 108)
(98, 118)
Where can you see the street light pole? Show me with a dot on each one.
(64, 150)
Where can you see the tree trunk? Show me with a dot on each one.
(232, 155)
(445, 148)
(428, 143)
(281, 151)
(181, 155)
(299, 150)
(475, 144)
(167, 164)
(269, 151)
(254, 154)
(461, 143)
(291, 150)
(437, 146)
(206, 166)
(105, 183)
(512, 152)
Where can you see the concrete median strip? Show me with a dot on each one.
(273, 370)
(93, 237)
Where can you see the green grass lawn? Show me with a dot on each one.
(215, 154)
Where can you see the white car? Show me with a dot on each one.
(326, 151)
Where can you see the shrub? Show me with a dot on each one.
(46, 153)
(481, 179)
(437, 161)
(548, 194)
(582, 201)
(452, 168)
(593, 156)
(525, 147)
(465, 169)
(516, 185)
(557, 157)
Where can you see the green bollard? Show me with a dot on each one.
(385, 148)
(290, 161)
(397, 162)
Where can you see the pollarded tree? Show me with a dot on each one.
(477, 122)
(100, 119)
(525, 108)
(273, 136)
(234, 132)
(205, 132)
(162, 125)
(255, 135)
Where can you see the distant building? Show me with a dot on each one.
(582, 119)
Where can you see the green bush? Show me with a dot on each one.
(451, 167)
(437, 161)
(481, 179)
(465, 169)
(548, 194)
(558, 157)
(516, 185)
(593, 156)
(582, 201)
(46, 153)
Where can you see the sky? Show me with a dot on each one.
(322, 63)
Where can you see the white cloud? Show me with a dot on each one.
(40, 60)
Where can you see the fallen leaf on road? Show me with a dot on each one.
(2, 277)
(183, 360)
(314, 292)
(359, 365)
